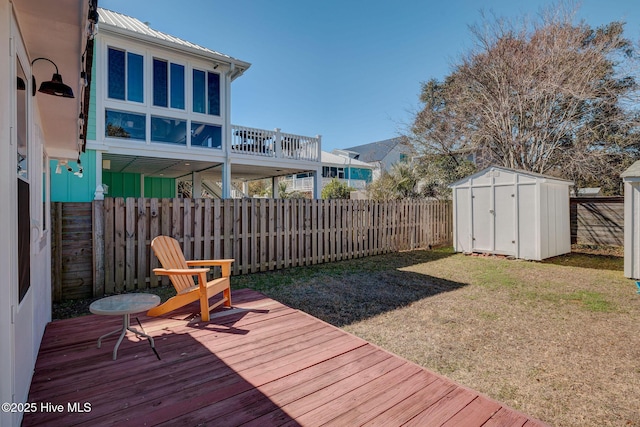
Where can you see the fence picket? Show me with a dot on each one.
(141, 242)
(260, 235)
(154, 230)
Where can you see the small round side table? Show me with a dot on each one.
(124, 305)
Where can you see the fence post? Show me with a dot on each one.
(98, 247)
(56, 251)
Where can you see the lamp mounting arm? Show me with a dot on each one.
(46, 59)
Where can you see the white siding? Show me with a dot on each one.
(462, 226)
(632, 229)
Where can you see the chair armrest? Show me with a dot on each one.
(224, 263)
(210, 262)
(179, 271)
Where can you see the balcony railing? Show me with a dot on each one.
(274, 143)
(306, 183)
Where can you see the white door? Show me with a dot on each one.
(505, 212)
(28, 170)
(482, 219)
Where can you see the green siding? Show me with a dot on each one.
(122, 184)
(128, 185)
(67, 187)
(159, 187)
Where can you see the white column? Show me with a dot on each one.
(317, 181)
(99, 193)
(275, 189)
(196, 191)
(226, 179)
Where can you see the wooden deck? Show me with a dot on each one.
(260, 364)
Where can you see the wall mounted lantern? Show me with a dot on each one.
(55, 86)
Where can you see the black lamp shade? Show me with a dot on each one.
(56, 87)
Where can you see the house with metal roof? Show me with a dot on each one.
(383, 154)
(160, 114)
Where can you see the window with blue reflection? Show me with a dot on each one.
(165, 129)
(160, 83)
(121, 124)
(213, 93)
(116, 78)
(204, 135)
(135, 81)
(199, 92)
(177, 86)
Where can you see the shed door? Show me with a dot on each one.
(482, 218)
(505, 212)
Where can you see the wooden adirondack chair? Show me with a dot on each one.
(181, 273)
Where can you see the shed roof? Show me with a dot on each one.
(535, 175)
(121, 23)
(633, 171)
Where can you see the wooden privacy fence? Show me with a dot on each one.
(71, 251)
(260, 234)
(597, 221)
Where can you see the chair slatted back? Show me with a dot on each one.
(169, 252)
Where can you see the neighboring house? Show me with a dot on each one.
(354, 173)
(383, 154)
(42, 40)
(160, 114)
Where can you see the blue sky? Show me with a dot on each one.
(349, 70)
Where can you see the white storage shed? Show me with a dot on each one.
(631, 179)
(511, 212)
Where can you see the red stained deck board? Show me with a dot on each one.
(475, 411)
(260, 363)
(409, 408)
(505, 417)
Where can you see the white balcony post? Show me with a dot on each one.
(319, 149)
(278, 144)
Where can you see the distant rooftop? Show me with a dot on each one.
(331, 158)
(123, 23)
(376, 151)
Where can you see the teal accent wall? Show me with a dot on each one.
(67, 187)
(363, 174)
(159, 187)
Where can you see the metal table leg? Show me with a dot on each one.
(123, 331)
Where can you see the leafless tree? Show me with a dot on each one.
(548, 96)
